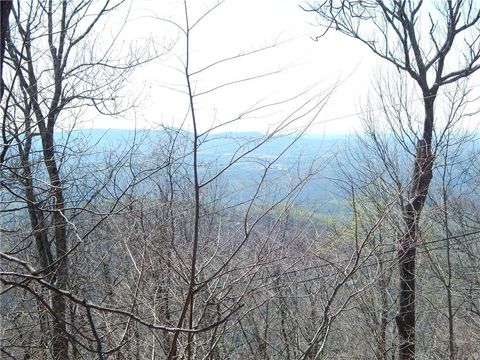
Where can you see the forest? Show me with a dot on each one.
(188, 239)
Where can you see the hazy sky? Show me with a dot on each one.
(235, 27)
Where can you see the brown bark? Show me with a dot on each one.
(382, 341)
(421, 178)
(60, 340)
(5, 7)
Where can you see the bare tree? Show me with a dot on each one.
(51, 78)
(218, 277)
(168, 264)
(392, 30)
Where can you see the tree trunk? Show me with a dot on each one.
(448, 281)
(421, 178)
(382, 341)
(5, 7)
(60, 339)
(406, 314)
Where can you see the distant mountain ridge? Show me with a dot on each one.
(288, 157)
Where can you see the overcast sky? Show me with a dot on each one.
(236, 26)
